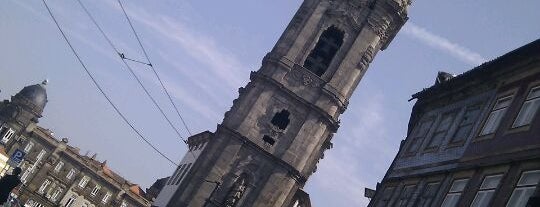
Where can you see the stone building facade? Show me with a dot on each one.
(277, 130)
(54, 173)
(473, 139)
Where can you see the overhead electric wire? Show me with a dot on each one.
(153, 69)
(123, 58)
(124, 118)
(132, 72)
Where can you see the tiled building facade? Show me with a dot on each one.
(473, 139)
(55, 173)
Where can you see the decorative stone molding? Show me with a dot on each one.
(379, 25)
(302, 75)
(366, 59)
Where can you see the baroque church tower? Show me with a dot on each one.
(271, 140)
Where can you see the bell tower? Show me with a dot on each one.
(278, 128)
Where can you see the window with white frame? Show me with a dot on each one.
(56, 193)
(84, 181)
(95, 190)
(43, 186)
(106, 197)
(28, 146)
(453, 195)
(496, 115)
(71, 200)
(6, 133)
(528, 109)
(487, 190)
(40, 155)
(428, 194)
(32, 203)
(59, 166)
(70, 174)
(405, 195)
(26, 173)
(524, 188)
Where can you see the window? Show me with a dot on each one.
(326, 48)
(55, 195)
(95, 190)
(33, 203)
(106, 197)
(405, 195)
(70, 174)
(183, 173)
(524, 188)
(428, 194)
(40, 155)
(28, 146)
(124, 204)
(84, 181)
(466, 124)
(486, 191)
(176, 174)
(44, 185)
(26, 173)
(442, 129)
(454, 193)
(58, 166)
(496, 115)
(6, 134)
(71, 200)
(387, 194)
(281, 119)
(269, 140)
(418, 135)
(528, 109)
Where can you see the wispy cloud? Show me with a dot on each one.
(199, 46)
(344, 170)
(462, 53)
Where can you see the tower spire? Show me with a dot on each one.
(271, 140)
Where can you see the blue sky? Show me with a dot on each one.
(204, 51)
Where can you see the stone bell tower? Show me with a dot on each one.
(277, 130)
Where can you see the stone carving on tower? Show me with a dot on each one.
(272, 138)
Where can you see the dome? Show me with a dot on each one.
(34, 96)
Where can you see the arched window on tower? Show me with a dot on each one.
(281, 119)
(326, 48)
(237, 191)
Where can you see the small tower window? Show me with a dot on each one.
(269, 140)
(281, 119)
(326, 48)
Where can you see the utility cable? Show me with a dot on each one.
(122, 57)
(153, 69)
(131, 71)
(124, 118)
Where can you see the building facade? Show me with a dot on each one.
(277, 130)
(473, 139)
(196, 145)
(54, 173)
